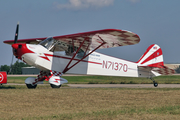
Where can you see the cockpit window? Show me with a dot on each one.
(48, 43)
(62, 48)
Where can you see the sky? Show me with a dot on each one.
(155, 21)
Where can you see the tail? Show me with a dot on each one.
(151, 63)
(153, 57)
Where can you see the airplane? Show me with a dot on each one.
(76, 54)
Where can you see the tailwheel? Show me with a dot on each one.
(30, 86)
(55, 86)
(155, 84)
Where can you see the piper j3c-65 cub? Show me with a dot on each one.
(76, 54)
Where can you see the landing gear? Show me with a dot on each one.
(30, 86)
(53, 77)
(154, 82)
(55, 86)
(29, 82)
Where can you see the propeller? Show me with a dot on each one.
(15, 41)
(16, 34)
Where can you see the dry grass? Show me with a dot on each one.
(91, 103)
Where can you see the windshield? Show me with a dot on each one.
(48, 43)
(61, 47)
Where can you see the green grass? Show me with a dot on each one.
(45, 103)
(90, 103)
(173, 79)
(110, 114)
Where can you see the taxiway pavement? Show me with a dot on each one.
(112, 85)
(123, 85)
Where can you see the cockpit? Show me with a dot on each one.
(48, 43)
(61, 47)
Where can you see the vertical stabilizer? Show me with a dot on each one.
(153, 57)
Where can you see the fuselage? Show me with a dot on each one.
(95, 64)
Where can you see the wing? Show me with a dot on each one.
(93, 39)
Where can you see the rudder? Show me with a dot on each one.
(153, 57)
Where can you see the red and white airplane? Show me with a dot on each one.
(76, 54)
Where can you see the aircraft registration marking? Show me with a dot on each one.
(114, 66)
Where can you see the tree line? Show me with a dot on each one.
(15, 68)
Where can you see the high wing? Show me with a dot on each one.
(106, 38)
(110, 38)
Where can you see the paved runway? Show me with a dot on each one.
(123, 85)
(113, 85)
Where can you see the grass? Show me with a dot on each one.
(173, 79)
(45, 103)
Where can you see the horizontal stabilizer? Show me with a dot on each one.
(163, 70)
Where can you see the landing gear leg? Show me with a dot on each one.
(154, 82)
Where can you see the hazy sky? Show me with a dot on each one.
(155, 21)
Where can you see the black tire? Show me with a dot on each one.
(29, 86)
(55, 86)
(155, 84)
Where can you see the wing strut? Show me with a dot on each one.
(67, 67)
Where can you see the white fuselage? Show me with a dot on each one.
(95, 64)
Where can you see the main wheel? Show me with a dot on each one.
(30, 86)
(55, 86)
(155, 84)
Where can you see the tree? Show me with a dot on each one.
(5, 68)
(15, 68)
